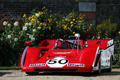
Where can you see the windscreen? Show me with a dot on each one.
(67, 46)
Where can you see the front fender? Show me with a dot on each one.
(20, 60)
(32, 54)
(89, 56)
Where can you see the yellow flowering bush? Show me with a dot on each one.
(106, 29)
(73, 23)
(43, 25)
(40, 25)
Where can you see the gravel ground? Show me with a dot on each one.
(18, 75)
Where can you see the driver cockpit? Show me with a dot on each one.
(70, 43)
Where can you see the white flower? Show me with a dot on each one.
(16, 39)
(34, 30)
(30, 24)
(1, 38)
(37, 15)
(25, 28)
(93, 37)
(26, 24)
(16, 23)
(4, 23)
(30, 36)
(9, 25)
(32, 39)
(39, 27)
(9, 36)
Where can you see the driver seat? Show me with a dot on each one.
(63, 45)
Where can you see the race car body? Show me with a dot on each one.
(69, 55)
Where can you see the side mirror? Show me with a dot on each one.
(27, 43)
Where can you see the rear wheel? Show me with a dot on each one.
(110, 69)
(32, 73)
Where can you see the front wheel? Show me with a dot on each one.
(99, 68)
(32, 73)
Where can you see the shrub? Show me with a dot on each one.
(116, 53)
(43, 25)
(73, 23)
(107, 29)
(40, 25)
(11, 44)
(116, 59)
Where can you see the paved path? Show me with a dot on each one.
(18, 75)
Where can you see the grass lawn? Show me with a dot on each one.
(9, 68)
(116, 66)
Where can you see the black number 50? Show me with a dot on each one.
(54, 61)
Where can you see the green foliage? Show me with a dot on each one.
(40, 25)
(71, 24)
(116, 53)
(115, 66)
(10, 68)
(43, 25)
(4, 55)
(107, 29)
(116, 59)
(11, 45)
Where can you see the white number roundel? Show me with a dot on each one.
(58, 62)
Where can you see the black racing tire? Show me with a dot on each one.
(32, 73)
(110, 69)
(99, 68)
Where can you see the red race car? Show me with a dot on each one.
(68, 55)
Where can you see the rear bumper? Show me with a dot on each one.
(74, 69)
